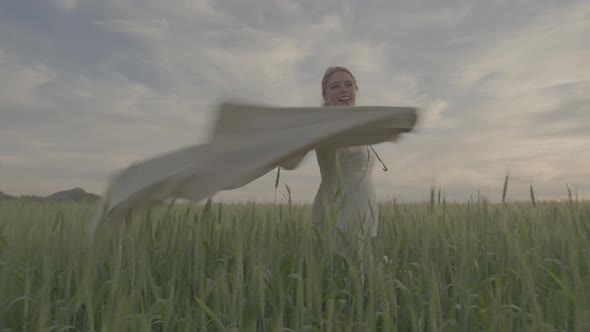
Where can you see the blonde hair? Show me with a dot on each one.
(331, 70)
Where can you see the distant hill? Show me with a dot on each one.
(76, 194)
(6, 196)
(71, 195)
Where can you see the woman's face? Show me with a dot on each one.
(340, 90)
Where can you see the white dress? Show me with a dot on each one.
(354, 207)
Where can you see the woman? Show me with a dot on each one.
(346, 192)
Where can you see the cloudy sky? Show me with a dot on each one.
(88, 87)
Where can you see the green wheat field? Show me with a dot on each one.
(436, 266)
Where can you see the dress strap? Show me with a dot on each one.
(384, 167)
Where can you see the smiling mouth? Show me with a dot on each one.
(345, 98)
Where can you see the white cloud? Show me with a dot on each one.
(67, 6)
(288, 6)
(20, 82)
(154, 30)
(550, 51)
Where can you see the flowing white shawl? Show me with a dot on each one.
(248, 142)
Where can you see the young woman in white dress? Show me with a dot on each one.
(346, 193)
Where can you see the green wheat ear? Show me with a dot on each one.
(432, 197)
(505, 189)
